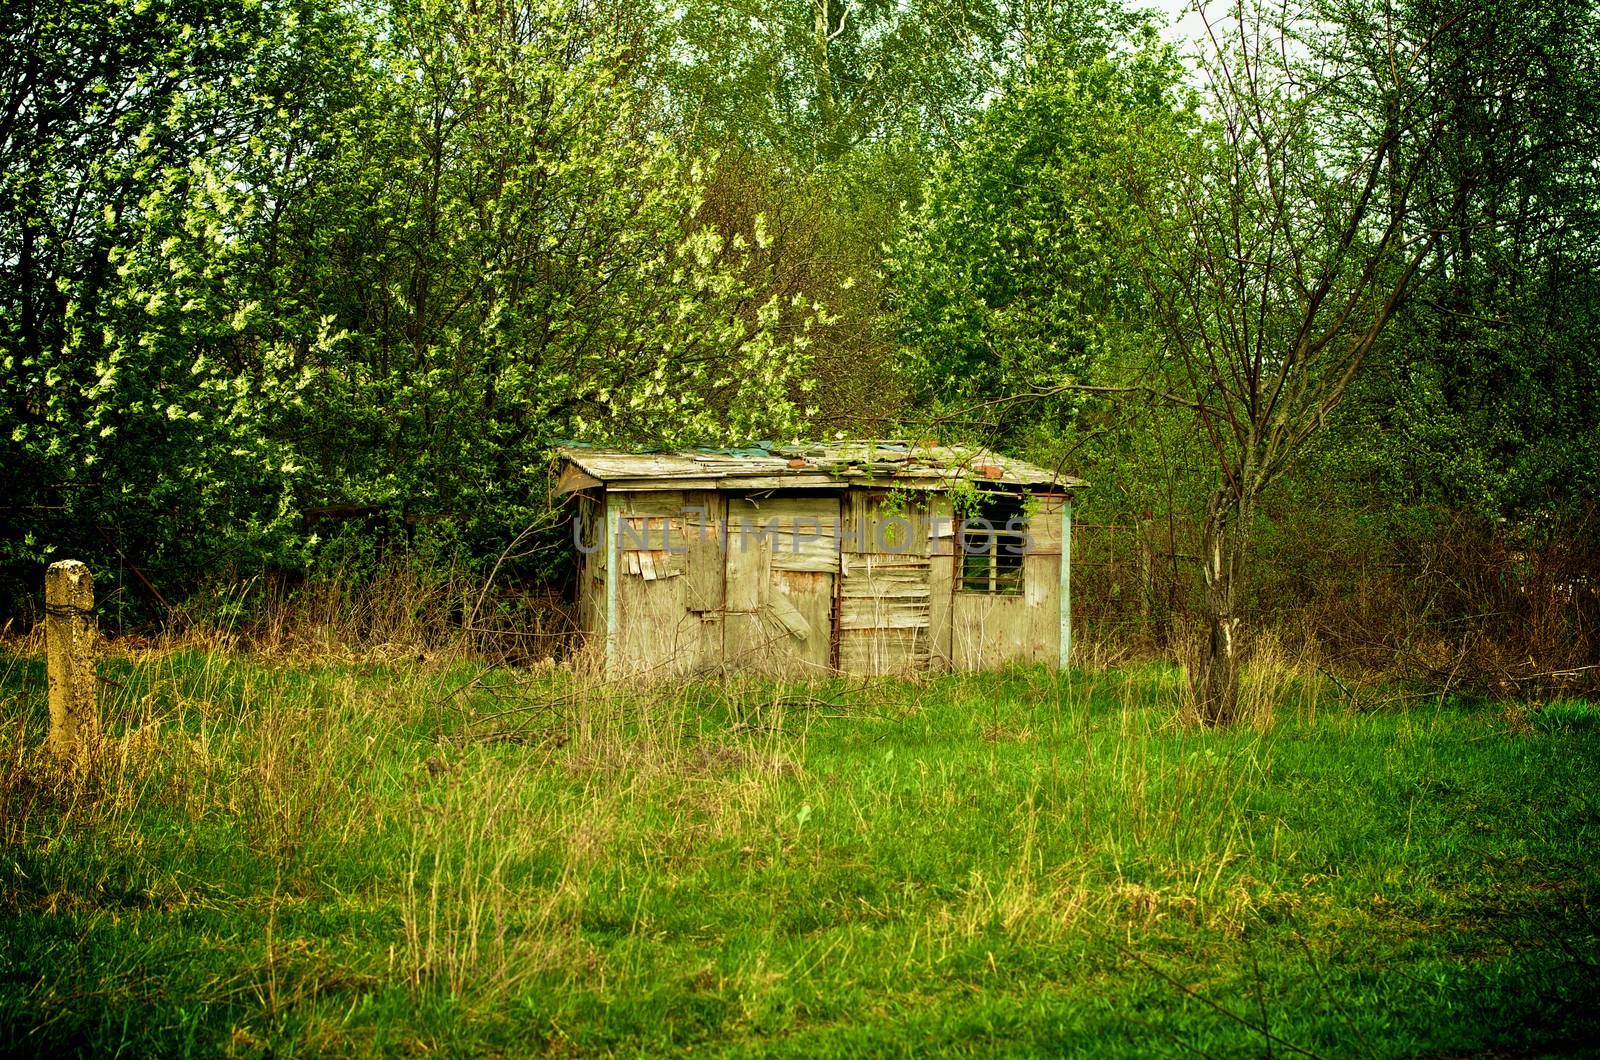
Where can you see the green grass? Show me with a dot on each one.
(358, 858)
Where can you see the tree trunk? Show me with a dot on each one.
(1216, 682)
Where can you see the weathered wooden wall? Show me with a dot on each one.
(767, 584)
(885, 593)
(590, 533)
(657, 633)
(988, 631)
(782, 559)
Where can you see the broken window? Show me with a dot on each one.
(992, 546)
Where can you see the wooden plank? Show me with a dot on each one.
(1041, 593)
(779, 598)
(1064, 644)
(788, 616)
(879, 581)
(758, 642)
(639, 486)
(746, 641)
(941, 582)
(658, 637)
(703, 567)
(780, 482)
(589, 531)
(573, 478)
(645, 546)
(803, 532)
(988, 631)
(613, 578)
(748, 560)
(882, 613)
(1044, 527)
(788, 510)
(810, 595)
(870, 529)
(669, 503)
(883, 651)
(705, 572)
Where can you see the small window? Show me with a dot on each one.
(992, 546)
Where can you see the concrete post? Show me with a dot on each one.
(69, 634)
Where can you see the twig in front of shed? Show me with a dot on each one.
(537, 526)
(1351, 696)
(1190, 992)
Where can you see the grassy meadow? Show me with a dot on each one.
(394, 856)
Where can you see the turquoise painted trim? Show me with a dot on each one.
(1066, 584)
(612, 578)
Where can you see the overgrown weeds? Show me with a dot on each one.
(360, 856)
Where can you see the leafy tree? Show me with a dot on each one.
(127, 127)
(1287, 239)
(1242, 268)
(1009, 273)
(375, 258)
(534, 263)
(1483, 396)
(807, 84)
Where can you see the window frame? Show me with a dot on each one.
(990, 548)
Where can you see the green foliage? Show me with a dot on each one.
(124, 414)
(372, 258)
(1008, 278)
(811, 83)
(1482, 400)
(558, 282)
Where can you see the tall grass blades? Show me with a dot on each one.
(358, 856)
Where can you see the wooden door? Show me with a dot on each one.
(887, 586)
(782, 559)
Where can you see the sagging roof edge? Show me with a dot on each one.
(827, 466)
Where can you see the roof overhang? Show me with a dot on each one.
(903, 465)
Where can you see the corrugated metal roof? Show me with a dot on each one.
(802, 465)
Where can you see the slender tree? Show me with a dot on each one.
(1277, 247)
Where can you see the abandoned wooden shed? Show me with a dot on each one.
(869, 557)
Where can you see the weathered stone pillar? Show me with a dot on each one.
(69, 636)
